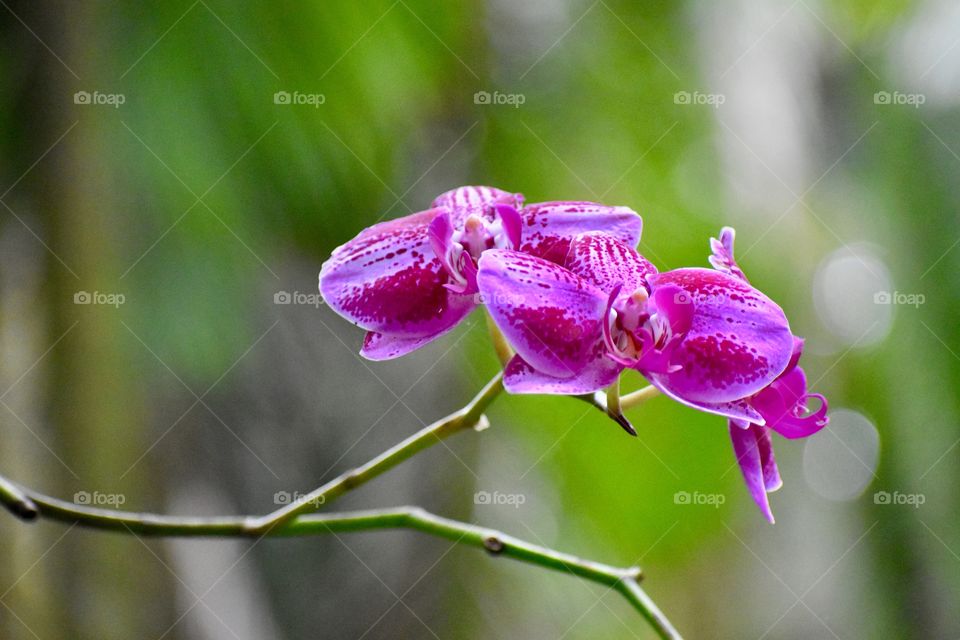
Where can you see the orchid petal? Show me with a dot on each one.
(607, 262)
(512, 223)
(771, 474)
(548, 227)
(722, 258)
(738, 343)
(734, 409)
(783, 403)
(476, 200)
(388, 280)
(550, 315)
(746, 448)
(385, 346)
(795, 356)
(455, 260)
(520, 377)
(669, 303)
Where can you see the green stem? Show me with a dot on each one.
(292, 521)
(637, 398)
(500, 345)
(614, 407)
(624, 579)
(630, 589)
(466, 418)
(16, 500)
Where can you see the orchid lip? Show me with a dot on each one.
(459, 248)
(638, 334)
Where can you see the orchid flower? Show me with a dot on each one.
(409, 281)
(706, 338)
(699, 334)
(782, 405)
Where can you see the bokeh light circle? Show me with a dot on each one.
(852, 295)
(840, 461)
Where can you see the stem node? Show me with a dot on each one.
(494, 545)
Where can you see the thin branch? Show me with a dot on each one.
(500, 345)
(638, 397)
(466, 418)
(630, 589)
(16, 500)
(613, 404)
(624, 580)
(293, 521)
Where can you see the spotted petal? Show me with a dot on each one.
(600, 373)
(754, 452)
(608, 262)
(388, 280)
(739, 409)
(475, 200)
(722, 258)
(551, 316)
(783, 406)
(738, 343)
(548, 227)
(386, 346)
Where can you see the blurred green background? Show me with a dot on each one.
(827, 133)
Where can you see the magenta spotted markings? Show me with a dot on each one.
(564, 285)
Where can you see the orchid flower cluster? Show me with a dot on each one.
(565, 286)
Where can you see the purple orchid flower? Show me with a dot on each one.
(706, 338)
(703, 335)
(782, 405)
(410, 280)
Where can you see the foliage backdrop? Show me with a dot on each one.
(199, 198)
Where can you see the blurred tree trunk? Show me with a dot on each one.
(107, 585)
(23, 336)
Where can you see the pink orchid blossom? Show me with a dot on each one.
(706, 338)
(409, 281)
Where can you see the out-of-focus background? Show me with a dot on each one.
(173, 175)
